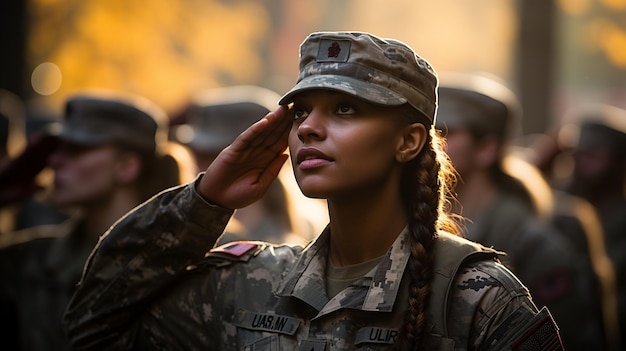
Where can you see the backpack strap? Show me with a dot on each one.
(451, 253)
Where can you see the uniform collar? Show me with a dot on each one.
(376, 291)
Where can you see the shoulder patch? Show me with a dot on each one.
(235, 248)
(544, 335)
(519, 332)
(229, 253)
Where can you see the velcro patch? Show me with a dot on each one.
(333, 51)
(543, 336)
(236, 248)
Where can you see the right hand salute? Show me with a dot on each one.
(244, 170)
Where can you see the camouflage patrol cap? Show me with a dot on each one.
(217, 116)
(381, 71)
(481, 104)
(107, 117)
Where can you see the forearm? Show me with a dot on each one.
(141, 255)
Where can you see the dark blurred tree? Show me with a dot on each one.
(12, 39)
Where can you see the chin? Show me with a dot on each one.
(313, 191)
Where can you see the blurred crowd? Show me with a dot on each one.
(555, 203)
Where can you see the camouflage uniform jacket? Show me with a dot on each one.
(548, 265)
(149, 285)
(39, 270)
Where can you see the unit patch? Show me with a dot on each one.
(237, 248)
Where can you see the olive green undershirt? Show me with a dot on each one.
(339, 278)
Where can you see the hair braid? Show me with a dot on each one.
(426, 186)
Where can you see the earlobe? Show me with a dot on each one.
(412, 142)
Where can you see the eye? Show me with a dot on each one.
(345, 109)
(299, 112)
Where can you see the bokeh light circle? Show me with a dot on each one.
(46, 78)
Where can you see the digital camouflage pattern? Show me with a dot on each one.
(149, 285)
(380, 70)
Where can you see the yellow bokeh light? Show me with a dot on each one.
(46, 78)
(574, 7)
(614, 4)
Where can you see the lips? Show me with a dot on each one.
(311, 157)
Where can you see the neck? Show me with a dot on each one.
(364, 228)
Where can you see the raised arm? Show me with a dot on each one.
(150, 248)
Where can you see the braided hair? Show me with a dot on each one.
(426, 189)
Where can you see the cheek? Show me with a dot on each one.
(84, 179)
(92, 170)
(453, 147)
(367, 153)
(459, 148)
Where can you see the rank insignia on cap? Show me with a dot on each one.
(237, 248)
(333, 51)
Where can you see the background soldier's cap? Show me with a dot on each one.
(481, 104)
(107, 117)
(601, 126)
(217, 116)
(381, 71)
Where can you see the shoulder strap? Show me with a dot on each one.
(451, 253)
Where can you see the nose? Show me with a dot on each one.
(313, 127)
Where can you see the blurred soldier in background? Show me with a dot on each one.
(599, 176)
(110, 145)
(24, 151)
(478, 116)
(213, 121)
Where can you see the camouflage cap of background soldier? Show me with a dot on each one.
(217, 116)
(98, 117)
(479, 103)
(382, 71)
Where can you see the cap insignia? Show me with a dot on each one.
(333, 50)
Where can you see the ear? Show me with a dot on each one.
(411, 143)
(127, 168)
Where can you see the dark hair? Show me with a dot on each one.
(171, 166)
(426, 189)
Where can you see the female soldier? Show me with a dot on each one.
(383, 274)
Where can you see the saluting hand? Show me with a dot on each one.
(244, 170)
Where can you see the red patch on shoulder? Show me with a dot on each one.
(236, 249)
